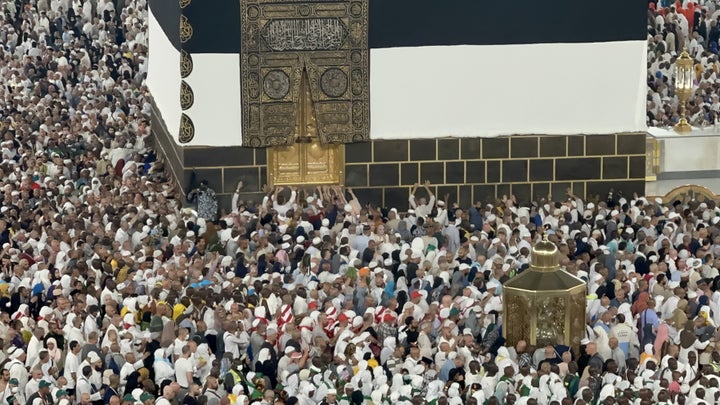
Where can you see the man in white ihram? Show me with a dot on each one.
(422, 208)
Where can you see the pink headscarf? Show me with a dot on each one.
(282, 257)
(663, 334)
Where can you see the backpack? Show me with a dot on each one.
(648, 336)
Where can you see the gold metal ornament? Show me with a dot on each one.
(305, 72)
(187, 97)
(689, 193)
(306, 163)
(684, 88)
(186, 30)
(653, 154)
(186, 64)
(185, 3)
(187, 129)
(546, 302)
(306, 122)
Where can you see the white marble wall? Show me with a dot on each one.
(696, 151)
(690, 154)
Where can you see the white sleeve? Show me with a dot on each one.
(701, 345)
(411, 200)
(442, 218)
(238, 340)
(82, 387)
(209, 318)
(580, 206)
(288, 206)
(29, 391)
(235, 198)
(264, 203)
(124, 372)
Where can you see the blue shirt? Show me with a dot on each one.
(602, 325)
(649, 316)
(444, 374)
(475, 218)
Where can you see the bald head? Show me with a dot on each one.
(591, 348)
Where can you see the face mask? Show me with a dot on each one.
(14, 390)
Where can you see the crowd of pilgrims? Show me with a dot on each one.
(119, 288)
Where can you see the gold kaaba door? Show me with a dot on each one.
(307, 161)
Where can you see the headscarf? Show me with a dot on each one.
(503, 359)
(20, 313)
(687, 335)
(160, 357)
(641, 304)
(647, 355)
(282, 257)
(703, 300)
(434, 390)
(663, 334)
(4, 289)
(403, 231)
(286, 316)
(679, 317)
(55, 353)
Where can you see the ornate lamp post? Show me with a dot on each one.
(684, 88)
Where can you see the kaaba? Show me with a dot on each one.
(478, 98)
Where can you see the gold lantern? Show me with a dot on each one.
(544, 305)
(684, 88)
